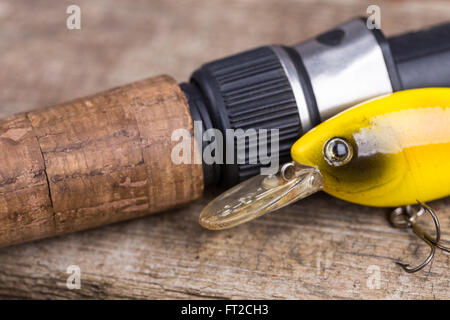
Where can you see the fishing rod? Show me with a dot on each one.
(107, 157)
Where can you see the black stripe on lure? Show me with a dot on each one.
(393, 151)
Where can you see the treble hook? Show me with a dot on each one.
(406, 217)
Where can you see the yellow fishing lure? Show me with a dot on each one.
(387, 152)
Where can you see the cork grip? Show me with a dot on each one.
(94, 161)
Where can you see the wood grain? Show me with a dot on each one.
(318, 248)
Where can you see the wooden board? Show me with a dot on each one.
(318, 248)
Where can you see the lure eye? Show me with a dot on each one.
(337, 152)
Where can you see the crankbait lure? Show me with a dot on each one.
(388, 152)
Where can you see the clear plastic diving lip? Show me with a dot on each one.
(261, 194)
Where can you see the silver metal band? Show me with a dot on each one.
(347, 71)
(293, 77)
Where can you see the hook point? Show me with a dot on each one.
(409, 220)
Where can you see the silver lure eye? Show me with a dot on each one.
(337, 152)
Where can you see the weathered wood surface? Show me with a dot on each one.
(319, 248)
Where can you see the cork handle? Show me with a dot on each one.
(94, 161)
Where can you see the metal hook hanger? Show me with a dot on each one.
(406, 217)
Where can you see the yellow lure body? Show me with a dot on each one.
(400, 144)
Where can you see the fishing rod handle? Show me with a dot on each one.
(94, 161)
(294, 88)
